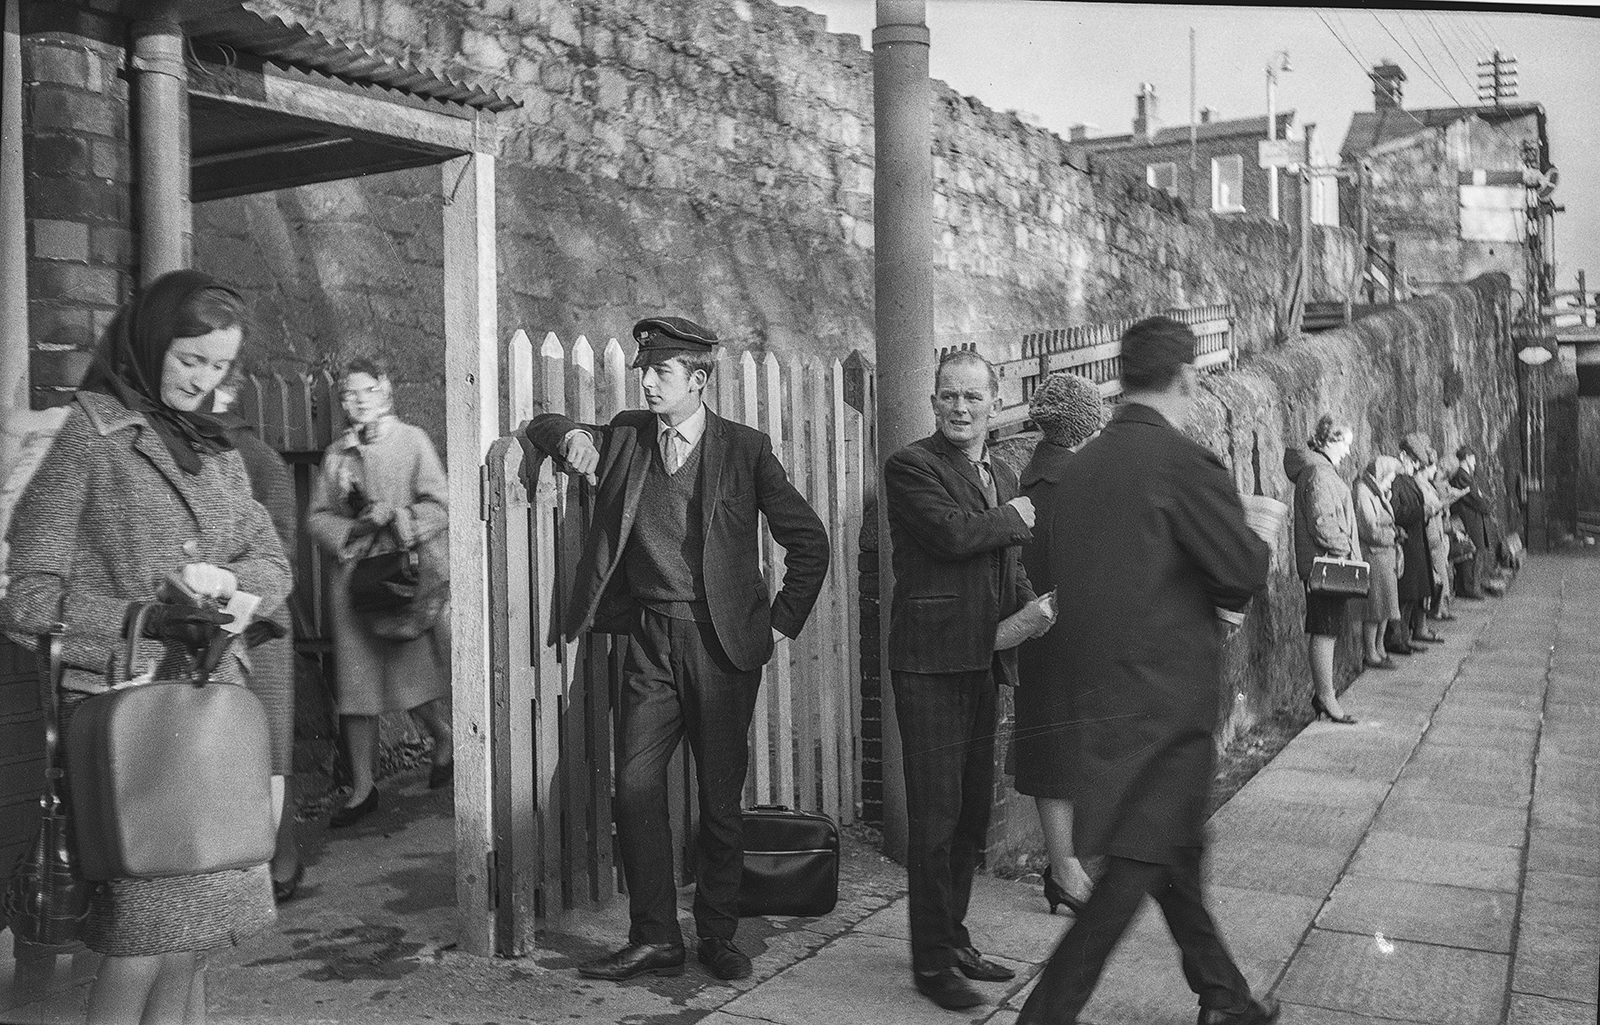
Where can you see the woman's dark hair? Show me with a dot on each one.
(209, 309)
(1326, 433)
(373, 366)
(1463, 452)
(1154, 351)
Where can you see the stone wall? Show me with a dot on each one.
(1442, 364)
(716, 159)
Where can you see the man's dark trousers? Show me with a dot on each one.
(1069, 977)
(947, 725)
(677, 682)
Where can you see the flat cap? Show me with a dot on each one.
(661, 338)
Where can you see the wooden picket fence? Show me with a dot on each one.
(553, 736)
(1095, 351)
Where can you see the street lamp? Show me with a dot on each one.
(1279, 62)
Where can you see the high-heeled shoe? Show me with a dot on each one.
(283, 890)
(1055, 895)
(350, 814)
(1322, 713)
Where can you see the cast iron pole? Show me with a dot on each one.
(903, 292)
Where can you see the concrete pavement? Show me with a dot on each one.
(1439, 862)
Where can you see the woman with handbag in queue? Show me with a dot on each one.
(1324, 526)
(382, 490)
(1376, 534)
(142, 487)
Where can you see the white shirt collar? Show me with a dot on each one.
(690, 430)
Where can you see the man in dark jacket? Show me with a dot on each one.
(1158, 542)
(671, 559)
(956, 523)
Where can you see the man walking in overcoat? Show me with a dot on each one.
(671, 559)
(1151, 539)
(956, 523)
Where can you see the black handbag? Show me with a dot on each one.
(387, 581)
(791, 863)
(47, 897)
(1347, 578)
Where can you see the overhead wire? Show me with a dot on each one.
(1418, 61)
(1436, 76)
(1472, 83)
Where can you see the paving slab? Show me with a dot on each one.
(1444, 862)
(1442, 820)
(1536, 1010)
(1006, 919)
(1363, 751)
(1426, 913)
(1274, 866)
(1574, 851)
(1490, 793)
(1334, 828)
(1386, 978)
(1451, 714)
(1302, 1014)
(1562, 888)
(1558, 951)
(1297, 785)
(1509, 741)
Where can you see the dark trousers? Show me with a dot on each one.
(947, 726)
(677, 682)
(1069, 978)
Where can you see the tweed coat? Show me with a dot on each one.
(398, 468)
(1324, 513)
(106, 517)
(1375, 528)
(740, 481)
(1043, 707)
(957, 561)
(1158, 542)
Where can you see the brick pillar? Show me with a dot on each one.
(872, 725)
(78, 185)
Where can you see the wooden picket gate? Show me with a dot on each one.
(553, 738)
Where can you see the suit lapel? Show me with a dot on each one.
(962, 465)
(713, 444)
(643, 451)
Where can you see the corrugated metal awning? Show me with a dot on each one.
(271, 37)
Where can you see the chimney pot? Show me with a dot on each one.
(1077, 133)
(1387, 77)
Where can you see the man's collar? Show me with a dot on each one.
(691, 429)
(945, 445)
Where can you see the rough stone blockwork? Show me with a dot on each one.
(716, 159)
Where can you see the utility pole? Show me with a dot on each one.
(1279, 62)
(902, 105)
(1499, 82)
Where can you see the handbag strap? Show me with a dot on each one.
(49, 664)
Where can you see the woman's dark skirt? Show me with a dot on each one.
(1044, 735)
(1325, 614)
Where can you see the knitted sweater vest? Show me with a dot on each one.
(666, 548)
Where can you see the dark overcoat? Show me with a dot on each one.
(741, 481)
(957, 565)
(1411, 515)
(1043, 708)
(1152, 539)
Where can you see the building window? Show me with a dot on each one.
(1163, 177)
(1227, 184)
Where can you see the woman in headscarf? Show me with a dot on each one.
(382, 487)
(1324, 525)
(1069, 411)
(1375, 531)
(141, 487)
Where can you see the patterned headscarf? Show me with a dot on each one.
(128, 364)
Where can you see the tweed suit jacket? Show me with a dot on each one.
(957, 561)
(740, 478)
(106, 517)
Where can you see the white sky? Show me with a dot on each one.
(1066, 63)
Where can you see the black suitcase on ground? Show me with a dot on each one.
(791, 863)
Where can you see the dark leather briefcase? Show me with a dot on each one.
(791, 863)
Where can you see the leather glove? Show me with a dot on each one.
(261, 631)
(188, 625)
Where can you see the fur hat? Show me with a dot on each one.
(1067, 408)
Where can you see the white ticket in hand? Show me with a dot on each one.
(241, 607)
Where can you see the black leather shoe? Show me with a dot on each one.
(1055, 894)
(1260, 1012)
(351, 814)
(1398, 649)
(975, 966)
(636, 959)
(724, 959)
(947, 989)
(441, 776)
(1429, 638)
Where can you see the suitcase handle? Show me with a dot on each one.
(200, 675)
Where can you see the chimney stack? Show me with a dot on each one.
(1208, 114)
(1386, 78)
(1077, 133)
(1145, 121)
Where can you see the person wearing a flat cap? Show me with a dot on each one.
(671, 560)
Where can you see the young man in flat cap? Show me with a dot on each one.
(671, 560)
